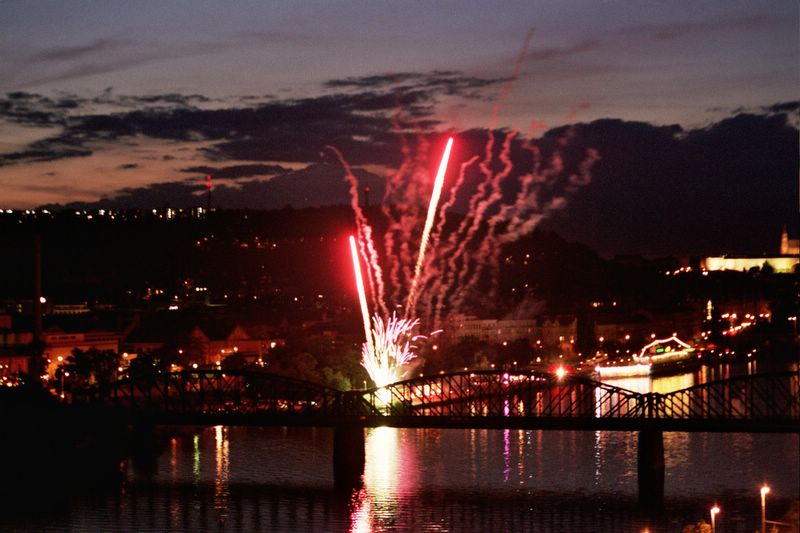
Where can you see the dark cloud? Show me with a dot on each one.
(451, 83)
(171, 100)
(291, 130)
(379, 81)
(34, 109)
(39, 155)
(316, 185)
(680, 30)
(237, 171)
(548, 54)
(785, 107)
(128, 166)
(71, 53)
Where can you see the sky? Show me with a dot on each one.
(131, 103)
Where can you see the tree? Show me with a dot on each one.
(91, 366)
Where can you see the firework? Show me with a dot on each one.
(388, 347)
(391, 350)
(437, 192)
(454, 269)
(362, 296)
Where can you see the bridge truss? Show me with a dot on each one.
(766, 402)
(477, 399)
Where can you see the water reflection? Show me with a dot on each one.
(664, 384)
(390, 473)
(506, 454)
(221, 489)
(360, 512)
(196, 458)
(381, 471)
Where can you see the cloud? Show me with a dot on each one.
(112, 54)
(289, 130)
(680, 30)
(40, 155)
(34, 109)
(314, 186)
(785, 107)
(549, 54)
(237, 171)
(452, 83)
(71, 53)
(128, 166)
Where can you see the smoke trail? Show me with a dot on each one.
(506, 89)
(459, 241)
(495, 195)
(374, 272)
(387, 207)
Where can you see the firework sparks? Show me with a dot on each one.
(392, 350)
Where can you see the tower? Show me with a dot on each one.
(789, 246)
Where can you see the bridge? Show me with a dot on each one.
(469, 399)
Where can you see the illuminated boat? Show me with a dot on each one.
(662, 355)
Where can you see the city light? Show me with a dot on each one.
(764, 492)
(714, 512)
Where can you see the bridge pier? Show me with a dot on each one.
(348, 456)
(651, 468)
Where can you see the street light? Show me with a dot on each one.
(714, 512)
(60, 361)
(764, 492)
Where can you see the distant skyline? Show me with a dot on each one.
(115, 100)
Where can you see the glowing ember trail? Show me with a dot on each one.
(362, 296)
(437, 192)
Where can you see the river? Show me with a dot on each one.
(281, 479)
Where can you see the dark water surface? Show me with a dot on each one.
(281, 479)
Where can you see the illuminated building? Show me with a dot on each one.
(60, 344)
(785, 263)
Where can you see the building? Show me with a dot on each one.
(201, 342)
(58, 345)
(789, 246)
(785, 263)
(492, 330)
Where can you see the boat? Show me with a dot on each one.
(660, 356)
